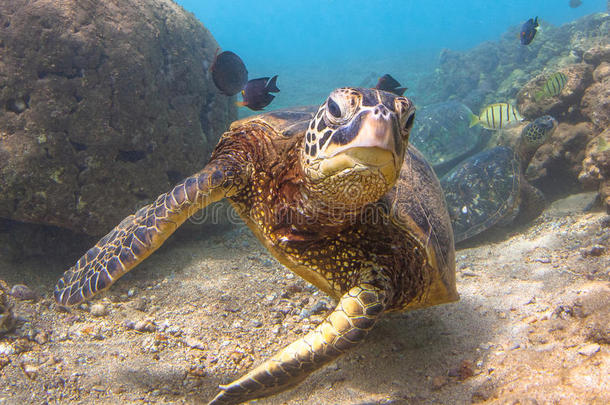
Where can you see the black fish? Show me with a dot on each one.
(575, 3)
(388, 83)
(256, 93)
(528, 31)
(229, 73)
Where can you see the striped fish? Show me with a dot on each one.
(496, 116)
(553, 86)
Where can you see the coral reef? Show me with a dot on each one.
(102, 107)
(595, 102)
(556, 165)
(496, 71)
(507, 71)
(596, 167)
(561, 106)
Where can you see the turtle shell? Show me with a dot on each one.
(418, 207)
(288, 121)
(442, 133)
(482, 190)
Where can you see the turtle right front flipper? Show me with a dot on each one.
(343, 329)
(140, 234)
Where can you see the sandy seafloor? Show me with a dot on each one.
(532, 326)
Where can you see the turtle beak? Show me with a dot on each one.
(374, 145)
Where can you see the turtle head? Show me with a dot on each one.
(537, 132)
(354, 146)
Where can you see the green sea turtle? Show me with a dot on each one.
(489, 188)
(442, 133)
(336, 195)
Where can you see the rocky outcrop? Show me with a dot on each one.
(557, 164)
(506, 71)
(103, 106)
(562, 107)
(496, 71)
(595, 102)
(596, 167)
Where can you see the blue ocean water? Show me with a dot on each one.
(318, 44)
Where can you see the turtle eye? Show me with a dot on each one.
(333, 108)
(409, 123)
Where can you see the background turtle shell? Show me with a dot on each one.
(482, 190)
(287, 121)
(443, 135)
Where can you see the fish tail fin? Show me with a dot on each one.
(401, 90)
(474, 120)
(271, 85)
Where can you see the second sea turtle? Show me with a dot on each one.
(490, 188)
(442, 133)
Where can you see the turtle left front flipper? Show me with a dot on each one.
(344, 328)
(140, 234)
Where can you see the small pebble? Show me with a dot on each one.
(6, 349)
(593, 251)
(131, 292)
(139, 304)
(30, 370)
(23, 292)
(194, 343)
(145, 326)
(439, 381)
(41, 338)
(98, 310)
(256, 323)
(589, 350)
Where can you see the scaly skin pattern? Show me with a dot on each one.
(140, 234)
(343, 329)
(373, 252)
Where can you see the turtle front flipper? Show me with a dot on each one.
(140, 234)
(344, 328)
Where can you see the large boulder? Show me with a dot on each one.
(103, 106)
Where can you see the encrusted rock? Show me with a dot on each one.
(23, 292)
(595, 103)
(596, 166)
(101, 99)
(99, 310)
(557, 164)
(561, 106)
(597, 54)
